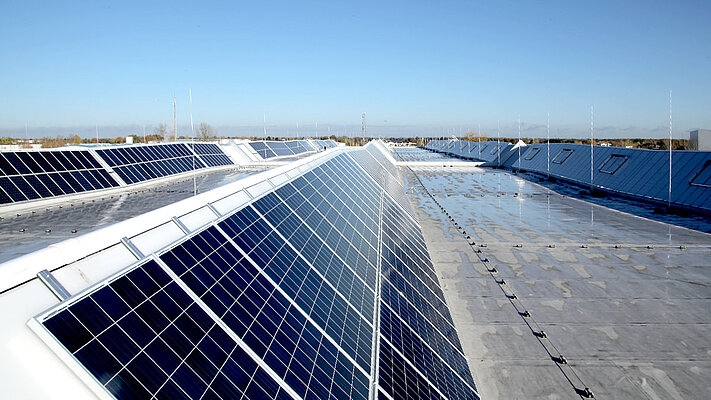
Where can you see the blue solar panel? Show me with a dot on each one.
(211, 154)
(26, 175)
(291, 284)
(141, 335)
(142, 163)
(265, 318)
(270, 149)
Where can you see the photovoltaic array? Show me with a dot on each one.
(29, 175)
(141, 163)
(322, 288)
(273, 148)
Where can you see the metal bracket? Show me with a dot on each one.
(53, 285)
(132, 248)
(181, 225)
(213, 209)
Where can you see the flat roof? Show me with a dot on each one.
(623, 298)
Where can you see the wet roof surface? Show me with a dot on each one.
(26, 233)
(630, 311)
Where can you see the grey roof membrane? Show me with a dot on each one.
(27, 232)
(629, 311)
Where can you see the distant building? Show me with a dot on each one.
(700, 139)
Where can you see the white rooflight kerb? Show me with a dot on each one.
(26, 267)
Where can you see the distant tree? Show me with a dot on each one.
(161, 131)
(75, 139)
(205, 131)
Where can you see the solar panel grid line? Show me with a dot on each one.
(308, 262)
(412, 218)
(419, 302)
(408, 280)
(390, 168)
(420, 281)
(413, 367)
(438, 375)
(75, 366)
(375, 357)
(317, 211)
(460, 361)
(382, 394)
(422, 319)
(328, 282)
(405, 257)
(320, 190)
(324, 237)
(247, 349)
(360, 213)
(292, 302)
(414, 247)
(348, 192)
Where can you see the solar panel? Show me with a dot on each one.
(30, 175)
(274, 148)
(211, 154)
(263, 149)
(308, 290)
(141, 163)
(141, 335)
(268, 321)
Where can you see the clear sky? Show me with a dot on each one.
(428, 68)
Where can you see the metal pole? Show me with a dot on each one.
(670, 150)
(192, 130)
(592, 129)
(519, 142)
(548, 141)
(498, 144)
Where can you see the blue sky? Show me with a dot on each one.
(428, 68)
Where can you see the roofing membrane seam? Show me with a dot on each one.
(249, 266)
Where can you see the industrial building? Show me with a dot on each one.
(308, 270)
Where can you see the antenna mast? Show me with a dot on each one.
(478, 139)
(363, 128)
(670, 149)
(498, 144)
(175, 117)
(548, 140)
(519, 143)
(592, 137)
(192, 130)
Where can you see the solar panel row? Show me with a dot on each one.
(29, 175)
(489, 151)
(639, 173)
(211, 154)
(142, 163)
(269, 149)
(290, 282)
